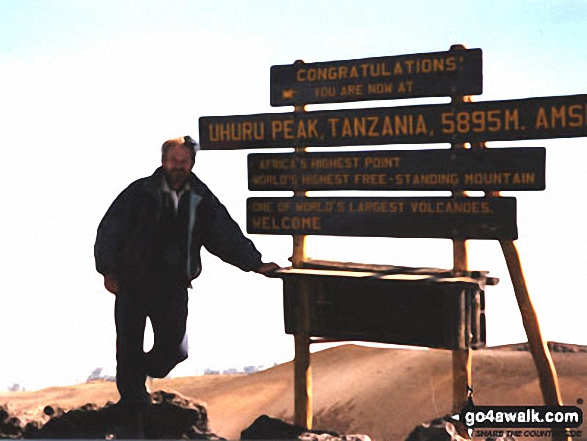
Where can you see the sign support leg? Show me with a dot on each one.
(538, 348)
(303, 381)
(461, 358)
(302, 370)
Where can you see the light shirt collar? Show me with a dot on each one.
(175, 194)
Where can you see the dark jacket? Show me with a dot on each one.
(125, 246)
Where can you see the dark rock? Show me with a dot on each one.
(170, 417)
(9, 425)
(440, 429)
(52, 412)
(266, 427)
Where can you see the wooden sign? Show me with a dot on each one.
(439, 169)
(531, 118)
(421, 309)
(404, 76)
(433, 217)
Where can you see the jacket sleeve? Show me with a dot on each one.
(112, 231)
(224, 238)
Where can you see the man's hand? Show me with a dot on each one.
(266, 268)
(111, 283)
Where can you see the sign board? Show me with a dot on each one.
(432, 217)
(418, 310)
(531, 118)
(439, 169)
(457, 72)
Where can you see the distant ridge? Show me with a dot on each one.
(553, 346)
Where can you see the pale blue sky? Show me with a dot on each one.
(90, 90)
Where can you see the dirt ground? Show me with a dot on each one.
(380, 392)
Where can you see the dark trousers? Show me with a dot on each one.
(166, 304)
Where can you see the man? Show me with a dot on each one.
(148, 250)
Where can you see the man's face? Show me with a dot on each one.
(177, 165)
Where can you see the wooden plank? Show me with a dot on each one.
(434, 169)
(302, 381)
(540, 353)
(462, 358)
(303, 403)
(377, 78)
(460, 218)
(417, 310)
(529, 118)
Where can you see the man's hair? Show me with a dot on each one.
(185, 141)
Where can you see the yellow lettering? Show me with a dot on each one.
(301, 130)
(558, 115)
(287, 129)
(373, 179)
(277, 164)
(332, 73)
(321, 180)
(241, 131)
(312, 131)
(346, 128)
(325, 91)
(576, 116)
(381, 162)
(541, 120)
(402, 124)
(261, 222)
(451, 63)
(360, 127)
(373, 133)
(529, 178)
(301, 75)
(387, 127)
(405, 86)
(287, 223)
(421, 125)
(468, 207)
(379, 88)
(276, 127)
(511, 119)
(334, 163)
(561, 117)
(351, 89)
(333, 126)
(370, 206)
(486, 179)
(298, 129)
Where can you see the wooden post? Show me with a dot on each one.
(303, 411)
(302, 369)
(538, 348)
(461, 358)
(547, 377)
(546, 371)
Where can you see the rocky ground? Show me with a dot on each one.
(380, 392)
(170, 417)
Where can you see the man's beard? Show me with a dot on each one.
(177, 177)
